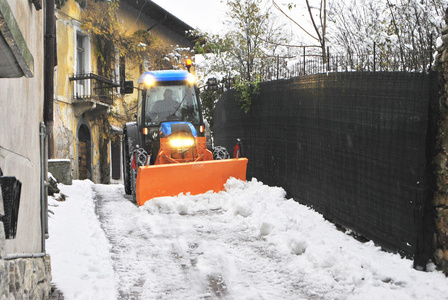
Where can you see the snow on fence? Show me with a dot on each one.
(370, 60)
(355, 146)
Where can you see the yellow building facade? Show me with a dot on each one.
(83, 97)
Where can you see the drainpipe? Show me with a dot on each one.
(44, 185)
(23, 255)
(49, 64)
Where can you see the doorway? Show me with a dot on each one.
(84, 153)
(116, 159)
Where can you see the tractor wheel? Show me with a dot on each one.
(133, 181)
(126, 165)
(220, 152)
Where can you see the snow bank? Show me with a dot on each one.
(246, 242)
(79, 250)
(327, 258)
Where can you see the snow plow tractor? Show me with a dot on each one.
(165, 151)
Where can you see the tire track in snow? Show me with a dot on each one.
(191, 256)
(150, 265)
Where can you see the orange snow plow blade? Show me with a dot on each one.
(194, 178)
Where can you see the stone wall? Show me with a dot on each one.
(25, 278)
(440, 201)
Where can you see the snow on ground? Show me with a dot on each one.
(80, 252)
(247, 242)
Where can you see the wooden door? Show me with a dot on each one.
(82, 160)
(116, 160)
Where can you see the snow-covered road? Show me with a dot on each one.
(168, 251)
(247, 242)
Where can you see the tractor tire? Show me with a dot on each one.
(220, 152)
(133, 180)
(130, 137)
(126, 165)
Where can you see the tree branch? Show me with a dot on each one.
(276, 6)
(312, 20)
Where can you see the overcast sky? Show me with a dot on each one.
(206, 15)
(209, 15)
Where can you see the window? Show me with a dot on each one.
(80, 54)
(82, 63)
(171, 103)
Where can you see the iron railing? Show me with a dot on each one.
(372, 60)
(312, 65)
(87, 87)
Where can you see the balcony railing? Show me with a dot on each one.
(88, 87)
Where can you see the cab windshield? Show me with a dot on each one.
(171, 103)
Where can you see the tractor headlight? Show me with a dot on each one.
(181, 142)
(149, 81)
(191, 79)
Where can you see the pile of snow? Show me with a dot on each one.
(79, 250)
(262, 245)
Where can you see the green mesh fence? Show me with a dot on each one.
(354, 146)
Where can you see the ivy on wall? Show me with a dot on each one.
(82, 3)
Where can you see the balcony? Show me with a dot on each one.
(92, 93)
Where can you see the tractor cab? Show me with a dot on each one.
(166, 97)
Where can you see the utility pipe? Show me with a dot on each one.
(43, 187)
(49, 64)
(23, 255)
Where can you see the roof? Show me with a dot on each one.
(167, 75)
(16, 59)
(160, 15)
(167, 128)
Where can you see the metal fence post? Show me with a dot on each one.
(430, 54)
(374, 56)
(304, 61)
(278, 64)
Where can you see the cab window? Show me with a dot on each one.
(171, 103)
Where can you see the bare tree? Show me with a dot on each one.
(401, 30)
(318, 21)
(250, 45)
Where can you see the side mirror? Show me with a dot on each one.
(128, 87)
